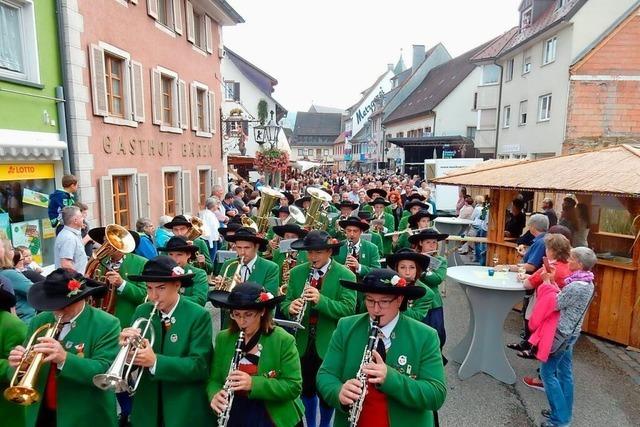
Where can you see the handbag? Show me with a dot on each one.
(560, 340)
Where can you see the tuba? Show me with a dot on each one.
(122, 375)
(316, 216)
(116, 239)
(22, 388)
(268, 199)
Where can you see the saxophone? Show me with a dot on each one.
(356, 408)
(307, 284)
(223, 418)
(287, 265)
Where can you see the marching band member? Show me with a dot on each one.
(288, 231)
(410, 208)
(303, 203)
(254, 268)
(358, 255)
(171, 391)
(372, 194)
(419, 220)
(316, 284)
(380, 213)
(374, 230)
(405, 379)
(116, 272)
(180, 226)
(13, 331)
(267, 381)
(427, 243)
(83, 346)
(179, 249)
(410, 265)
(346, 210)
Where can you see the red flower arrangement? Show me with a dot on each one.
(264, 296)
(272, 160)
(74, 287)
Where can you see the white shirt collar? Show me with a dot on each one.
(251, 263)
(387, 330)
(324, 268)
(170, 313)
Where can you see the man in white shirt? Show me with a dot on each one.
(68, 251)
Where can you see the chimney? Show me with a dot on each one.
(390, 67)
(418, 55)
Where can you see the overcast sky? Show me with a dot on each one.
(328, 51)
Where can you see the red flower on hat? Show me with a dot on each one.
(74, 287)
(264, 297)
(398, 281)
(333, 241)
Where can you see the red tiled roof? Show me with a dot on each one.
(495, 47)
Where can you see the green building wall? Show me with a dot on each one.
(26, 113)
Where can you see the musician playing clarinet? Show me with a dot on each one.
(404, 380)
(316, 298)
(262, 387)
(359, 255)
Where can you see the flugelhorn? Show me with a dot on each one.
(22, 388)
(122, 375)
(116, 239)
(228, 283)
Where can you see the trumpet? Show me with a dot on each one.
(22, 388)
(122, 375)
(356, 408)
(228, 283)
(223, 418)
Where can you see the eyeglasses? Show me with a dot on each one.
(383, 303)
(248, 316)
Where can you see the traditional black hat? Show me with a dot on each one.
(232, 225)
(289, 197)
(7, 296)
(365, 215)
(163, 269)
(301, 200)
(178, 220)
(62, 288)
(413, 203)
(386, 282)
(289, 228)
(407, 254)
(178, 244)
(379, 201)
(346, 204)
(416, 196)
(355, 222)
(422, 213)
(380, 191)
(247, 234)
(428, 234)
(97, 235)
(245, 296)
(280, 209)
(316, 240)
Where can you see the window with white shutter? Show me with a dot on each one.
(144, 204)
(208, 28)
(152, 8)
(184, 113)
(137, 90)
(187, 200)
(212, 112)
(177, 16)
(98, 88)
(190, 23)
(165, 100)
(106, 200)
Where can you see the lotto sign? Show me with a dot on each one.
(18, 172)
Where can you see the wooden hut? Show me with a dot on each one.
(608, 182)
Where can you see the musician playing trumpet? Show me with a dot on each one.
(83, 345)
(315, 295)
(264, 388)
(405, 380)
(176, 367)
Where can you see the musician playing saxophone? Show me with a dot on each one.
(83, 346)
(317, 283)
(265, 386)
(405, 379)
(176, 367)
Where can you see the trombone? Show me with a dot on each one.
(22, 388)
(122, 375)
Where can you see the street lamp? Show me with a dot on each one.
(267, 133)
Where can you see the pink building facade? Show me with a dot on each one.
(143, 95)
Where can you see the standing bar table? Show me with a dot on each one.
(490, 300)
(453, 227)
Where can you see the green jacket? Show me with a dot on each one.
(369, 257)
(134, 293)
(376, 239)
(182, 368)
(415, 385)
(390, 225)
(433, 279)
(264, 272)
(13, 332)
(335, 302)
(418, 308)
(203, 248)
(79, 400)
(278, 382)
(198, 291)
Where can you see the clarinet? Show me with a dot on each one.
(356, 408)
(300, 315)
(223, 418)
(352, 251)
